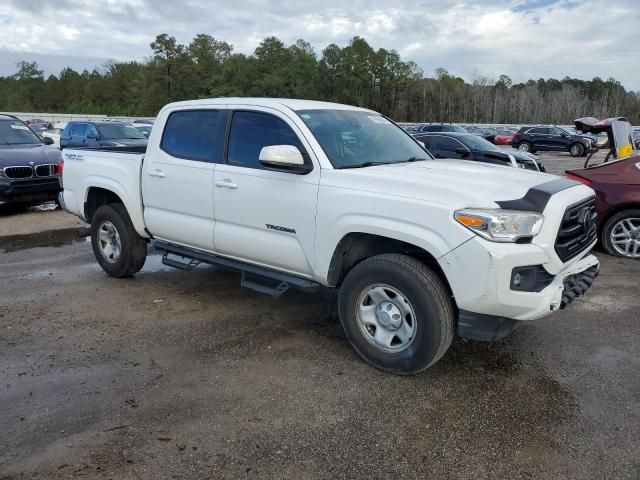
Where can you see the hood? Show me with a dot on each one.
(17, 155)
(523, 156)
(455, 183)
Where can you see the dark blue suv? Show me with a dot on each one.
(103, 134)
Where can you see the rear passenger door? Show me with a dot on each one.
(540, 138)
(265, 216)
(177, 177)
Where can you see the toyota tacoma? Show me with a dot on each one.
(307, 194)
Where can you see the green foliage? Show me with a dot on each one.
(355, 74)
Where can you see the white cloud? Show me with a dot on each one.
(521, 38)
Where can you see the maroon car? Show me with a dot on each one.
(617, 186)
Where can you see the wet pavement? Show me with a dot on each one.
(186, 375)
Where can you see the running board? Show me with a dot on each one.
(256, 278)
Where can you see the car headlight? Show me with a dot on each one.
(501, 225)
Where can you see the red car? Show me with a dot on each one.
(617, 186)
(503, 137)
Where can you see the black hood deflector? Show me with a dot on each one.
(536, 198)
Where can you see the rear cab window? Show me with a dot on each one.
(195, 135)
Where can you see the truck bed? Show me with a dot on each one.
(86, 171)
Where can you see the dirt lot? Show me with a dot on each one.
(185, 375)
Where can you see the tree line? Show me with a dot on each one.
(355, 74)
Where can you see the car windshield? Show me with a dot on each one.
(119, 131)
(353, 138)
(478, 144)
(14, 132)
(145, 129)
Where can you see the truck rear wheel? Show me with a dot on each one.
(118, 248)
(397, 313)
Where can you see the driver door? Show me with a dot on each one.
(265, 216)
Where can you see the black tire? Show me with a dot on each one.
(577, 150)
(526, 147)
(133, 250)
(610, 225)
(426, 294)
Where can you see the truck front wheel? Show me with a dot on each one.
(118, 248)
(397, 313)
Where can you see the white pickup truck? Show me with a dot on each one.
(311, 194)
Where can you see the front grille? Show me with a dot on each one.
(578, 229)
(18, 172)
(47, 170)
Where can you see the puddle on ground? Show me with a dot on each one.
(48, 238)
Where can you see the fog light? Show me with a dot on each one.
(532, 278)
(517, 278)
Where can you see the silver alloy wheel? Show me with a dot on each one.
(523, 147)
(625, 237)
(386, 318)
(109, 242)
(575, 150)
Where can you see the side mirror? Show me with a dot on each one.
(462, 151)
(47, 140)
(422, 144)
(92, 136)
(285, 158)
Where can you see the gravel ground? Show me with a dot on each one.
(186, 375)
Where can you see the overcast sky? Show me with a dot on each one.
(521, 38)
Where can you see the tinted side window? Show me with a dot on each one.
(91, 130)
(447, 147)
(250, 131)
(79, 130)
(191, 134)
(539, 131)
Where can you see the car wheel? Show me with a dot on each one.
(397, 313)
(525, 147)
(118, 248)
(577, 150)
(621, 234)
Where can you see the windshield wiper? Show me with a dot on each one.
(362, 165)
(412, 159)
(373, 164)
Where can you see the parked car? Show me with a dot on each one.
(55, 133)
(38, 121)
(617, 187)
(102, 134)
(550, 138)
(439, 127)
(503, 137)
(467, 146)
(311, 194)
(28, 164)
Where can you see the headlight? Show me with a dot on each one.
(500, 225)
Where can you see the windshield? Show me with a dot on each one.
(479, 144)
(119, 131)
(145, 129)
(353, 138)
(14, 132)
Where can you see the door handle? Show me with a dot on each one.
(226, 183)
(157, 173)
